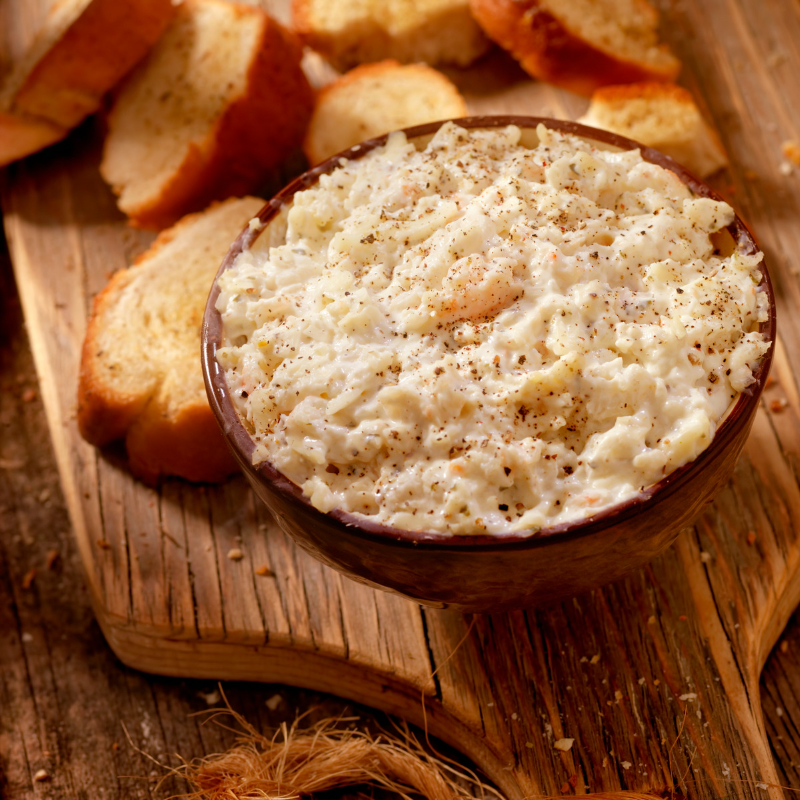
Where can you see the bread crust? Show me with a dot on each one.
(21, 135)
(164, 434)
(549, 51)
(254, 134)
(71, 65)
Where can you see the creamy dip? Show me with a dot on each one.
(482, 337)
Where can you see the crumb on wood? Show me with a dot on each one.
(683, 617)
(52, 559)
(273, 702)
(791, 151)
(705, 556)
(595, 659)
(103, 544)
(776, 406)
(235, 554)
(30, 577)
(565, 788)
(264, 571)
(211, 698)
(784, 646)
(573, 780)
(785, 169)
(751, 537)
(29, 395)
(41, 775)
(563, 744)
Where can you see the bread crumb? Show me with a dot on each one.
(235, 554)
(784, 646)
(27, 638)
(264, 571)
(688, 696)
(626, 765)
(103, 544)
(705, 557)
(751, 537)
(255, 224)
(41, 775)
(779, 711)
(594, 659)
(785, 168)
(29, 395)
(563, 744)
(29, 578)
(274, 702)
(776, 406)
(564, 788)
(210, 698)
(791, 151)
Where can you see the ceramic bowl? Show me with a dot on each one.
(489, 573)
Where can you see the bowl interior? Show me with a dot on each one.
(274, 221)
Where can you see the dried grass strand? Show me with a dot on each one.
(295, 763)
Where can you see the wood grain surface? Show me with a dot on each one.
(655, 677)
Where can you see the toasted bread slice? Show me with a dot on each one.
(140, 375)
(82, 50)
(220, 101)
(659, 115)
(351, 32)
(375, 99)
(580, 45)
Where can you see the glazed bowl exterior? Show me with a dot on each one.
(484, 573)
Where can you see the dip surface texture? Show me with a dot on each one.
(486, 338)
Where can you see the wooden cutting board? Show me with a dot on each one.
(655, 678)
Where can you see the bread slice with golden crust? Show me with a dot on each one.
(82, 50)
(377, 98)
(140, 376)
(220, 101)
(659, 115)
(351, 32)
(580, 45)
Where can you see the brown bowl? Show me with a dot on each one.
(479, 573)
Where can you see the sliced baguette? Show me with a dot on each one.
(659, 115)
(82, 50)
(580, 45)
(140, 376)
(375, 99)
(351, 32)
(217, 104)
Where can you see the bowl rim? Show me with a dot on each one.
(243, 446)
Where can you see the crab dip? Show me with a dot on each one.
(481, 337)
